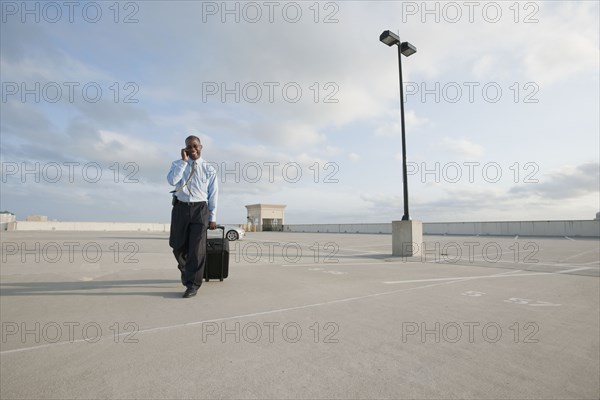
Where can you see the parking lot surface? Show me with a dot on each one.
(88, 315)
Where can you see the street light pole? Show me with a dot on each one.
(406, 49)
(405, 217)
(407, 235)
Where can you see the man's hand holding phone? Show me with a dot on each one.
(184, 155)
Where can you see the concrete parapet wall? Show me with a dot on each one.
(579, 228)
(90, 226)
(589, 228)
(340, 228)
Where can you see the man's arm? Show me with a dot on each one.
(176, 172)
(213, 197)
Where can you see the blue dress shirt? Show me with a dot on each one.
(202, 187)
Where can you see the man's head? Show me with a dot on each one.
(193, 147)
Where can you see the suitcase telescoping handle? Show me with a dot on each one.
(222, 252)
(221, 227)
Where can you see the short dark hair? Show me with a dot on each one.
(192, 137)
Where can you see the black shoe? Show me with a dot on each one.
(190, 292)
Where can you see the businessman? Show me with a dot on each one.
(194, 211)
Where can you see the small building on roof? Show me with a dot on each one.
(266, 217)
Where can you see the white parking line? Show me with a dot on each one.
(334, 264)
(580, 254)
(503, 275)
(566, 271)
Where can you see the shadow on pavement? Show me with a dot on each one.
(94, 288)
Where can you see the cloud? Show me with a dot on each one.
(50, 65)
(569, 48)
(391, 128)
(293, 135)
(527, 201)
(463, 147)
(331, 151)
(484, 66)
(568, 183)
(25, 122)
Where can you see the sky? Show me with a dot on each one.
(298, 103)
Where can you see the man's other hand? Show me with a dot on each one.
(212, 225)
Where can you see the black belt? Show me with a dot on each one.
(189, 203)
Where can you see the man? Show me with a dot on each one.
(194, 210)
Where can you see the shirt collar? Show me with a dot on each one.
(198, 161)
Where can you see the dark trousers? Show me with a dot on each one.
(189, 224)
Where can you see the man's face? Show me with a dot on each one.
(193, 148)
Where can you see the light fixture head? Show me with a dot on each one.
(389, 38)
(407, 49)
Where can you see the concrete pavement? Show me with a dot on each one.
(100, 315)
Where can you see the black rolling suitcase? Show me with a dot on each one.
(217, 257)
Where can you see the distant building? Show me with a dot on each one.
(7, 221)
(266, 217)
(37, 218)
